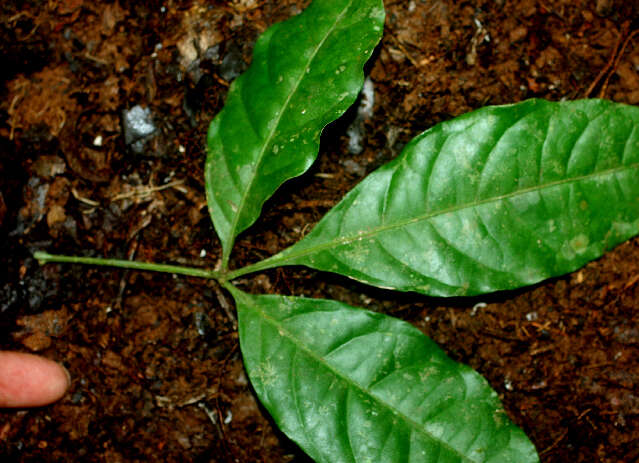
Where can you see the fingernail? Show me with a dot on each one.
(68, 376)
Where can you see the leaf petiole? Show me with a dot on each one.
(265, 264)
(44, 257)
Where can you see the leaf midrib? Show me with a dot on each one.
(271, 135)
(278, 259)
(301, 346)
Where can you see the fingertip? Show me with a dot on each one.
(27, 380)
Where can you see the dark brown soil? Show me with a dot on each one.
(155, 359)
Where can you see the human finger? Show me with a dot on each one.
(27, 380)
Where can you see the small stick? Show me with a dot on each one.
(146, 190)
(401, 47)
(225, 304)
(614, 67)
(554, 444)
(606, 68)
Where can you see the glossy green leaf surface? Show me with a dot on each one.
(499, 198)
(305, 73)
(349, 385)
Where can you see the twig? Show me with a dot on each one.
(554, 444)
(211, 414)
(82, 199)
(404, 51)
(225, 304)
(15, 17)
(123, 279)
(606, 68)
(95, 59)
(604, 87)
(613, 61)
(146, 191)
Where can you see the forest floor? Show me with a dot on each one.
(157, 371)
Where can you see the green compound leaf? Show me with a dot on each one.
(349, 385)
(499, 198)
(305, 73)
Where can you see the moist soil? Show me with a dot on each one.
(157, 371)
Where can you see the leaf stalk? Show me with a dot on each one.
(44, 257)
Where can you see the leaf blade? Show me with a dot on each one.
(302, 77)
(350, 385)
(500, 198)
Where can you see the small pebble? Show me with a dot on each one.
(508, 384)
(232, 64)
(138, 127)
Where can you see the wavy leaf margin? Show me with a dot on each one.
(305, 73)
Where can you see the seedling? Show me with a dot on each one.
(496, 199)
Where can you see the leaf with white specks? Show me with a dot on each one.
(305, 73)
(349, 385)
(502, 197)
